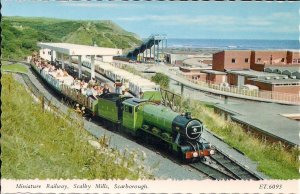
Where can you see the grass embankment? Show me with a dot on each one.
(38, 144)
(20, 34)
(273, 159)
(14, 68)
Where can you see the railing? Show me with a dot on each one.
(269, 95)
(76, 96)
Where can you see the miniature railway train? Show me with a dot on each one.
(134, 83)
(179, 133)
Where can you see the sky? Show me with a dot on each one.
(203, 20)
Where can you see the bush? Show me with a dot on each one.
(161, 79)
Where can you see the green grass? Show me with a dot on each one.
(21, 34)
(273, 159)
(38, 144)
(14, 68)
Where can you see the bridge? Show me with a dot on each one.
(150, 50)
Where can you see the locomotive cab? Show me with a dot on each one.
(132, 118)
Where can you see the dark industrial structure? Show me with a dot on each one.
(151, 50)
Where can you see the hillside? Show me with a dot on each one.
(21, 34)
(38, 144)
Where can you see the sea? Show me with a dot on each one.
(234, 44)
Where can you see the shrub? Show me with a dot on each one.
(161, 79)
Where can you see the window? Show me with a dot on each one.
(128, 109)
(233, 60)
(282, 60)
(246, 60)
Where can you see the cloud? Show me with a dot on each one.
(280, 21)
(197, 20)
(95, 5)
(273, 23)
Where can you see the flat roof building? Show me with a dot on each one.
(256, 60)
(231, 60)
(277, 84)
(63, 51)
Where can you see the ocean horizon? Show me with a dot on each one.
(233, 44)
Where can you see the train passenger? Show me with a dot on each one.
(99, 90)
(59, 73)
(123, 88)
(52, 68)
(125, 92)
(118, 85)
(106, 89)
(77, 110)
(141, 95)
(90, 93)
(65, 73)
(92, 82)
(95, 90)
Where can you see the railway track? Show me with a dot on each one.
(211, 171)
(221, 167)
(237, 170)
(30, 85)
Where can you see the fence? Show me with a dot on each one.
(269, 95)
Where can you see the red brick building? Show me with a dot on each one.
(231, 60)
(293, 57)
(256, 60)
(248, 67)
(262, 59)
(214, 76)
(291, 86)
(193, 73)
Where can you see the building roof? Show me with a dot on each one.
(279, 81)
(213, 72)
(76, 49)
(197, 62)
(134, 101)
(269, 120)
(254, 74)
(291, 69)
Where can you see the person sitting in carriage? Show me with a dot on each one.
(105, 89)
(90, 92)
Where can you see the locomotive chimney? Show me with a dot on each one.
(188, 115)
